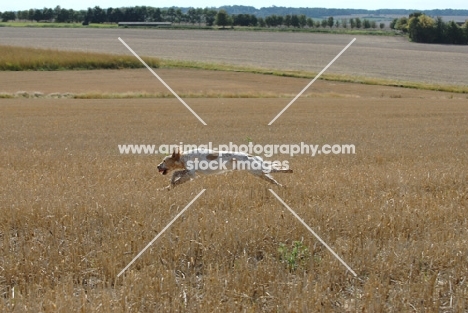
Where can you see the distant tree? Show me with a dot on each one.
(373, 24)
(99, 15)
(440, 30)
(402, 24)
(261, 22)
(79, 16)
(148, 12)
(279, 20)
(302, 20)
(116, 15)
(164, 17)
(62, 15)
(56, 11)
(358, 22)
(295, 21)
(274, 20)
(8, 16)
(337, 23)
(366, 23)
(209, 16)
(287, 20)
(421, 28)
(22, 15)
(253, 20)
(192, 16)
(415, 14)
(238, 20)
(88, 17)
(382, 25)
(37, 16)
(31, 14)
(171, 14)
(465, 31)
(393, 23)
(199, 15)
(330, 21)
(179, 16)
(352, 22)
(250, 20)
(48, 14)
(310, 22)
(324, 23)
(143, 13)
(455, 34)
(223, 19)
(344, 22)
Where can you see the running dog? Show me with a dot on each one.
(204, 161)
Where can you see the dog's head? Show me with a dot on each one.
(169, 163)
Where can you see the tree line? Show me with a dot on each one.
(320, 12)
(418, 26)
(113, 15)
(301, 21)
(425, 29)
(206, 16)
(142, 13)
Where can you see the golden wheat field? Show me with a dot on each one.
(75, 211)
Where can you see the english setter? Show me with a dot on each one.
(204, 161)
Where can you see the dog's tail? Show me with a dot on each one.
(280, 171)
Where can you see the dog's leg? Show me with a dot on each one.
(280, 171)
(266, 177)
(270, 179)
(181, 177)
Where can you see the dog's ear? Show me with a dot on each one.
(176, 155)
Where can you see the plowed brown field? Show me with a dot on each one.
(370, 56)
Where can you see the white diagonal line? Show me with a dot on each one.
(162, 231)
(313, 233)
(313, 80)
(162, 81)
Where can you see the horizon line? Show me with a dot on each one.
(259, 8)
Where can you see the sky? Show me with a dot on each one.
(356, 4)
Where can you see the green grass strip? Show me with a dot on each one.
(55, 25)
(310, 75)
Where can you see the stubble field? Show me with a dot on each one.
(75, 211)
